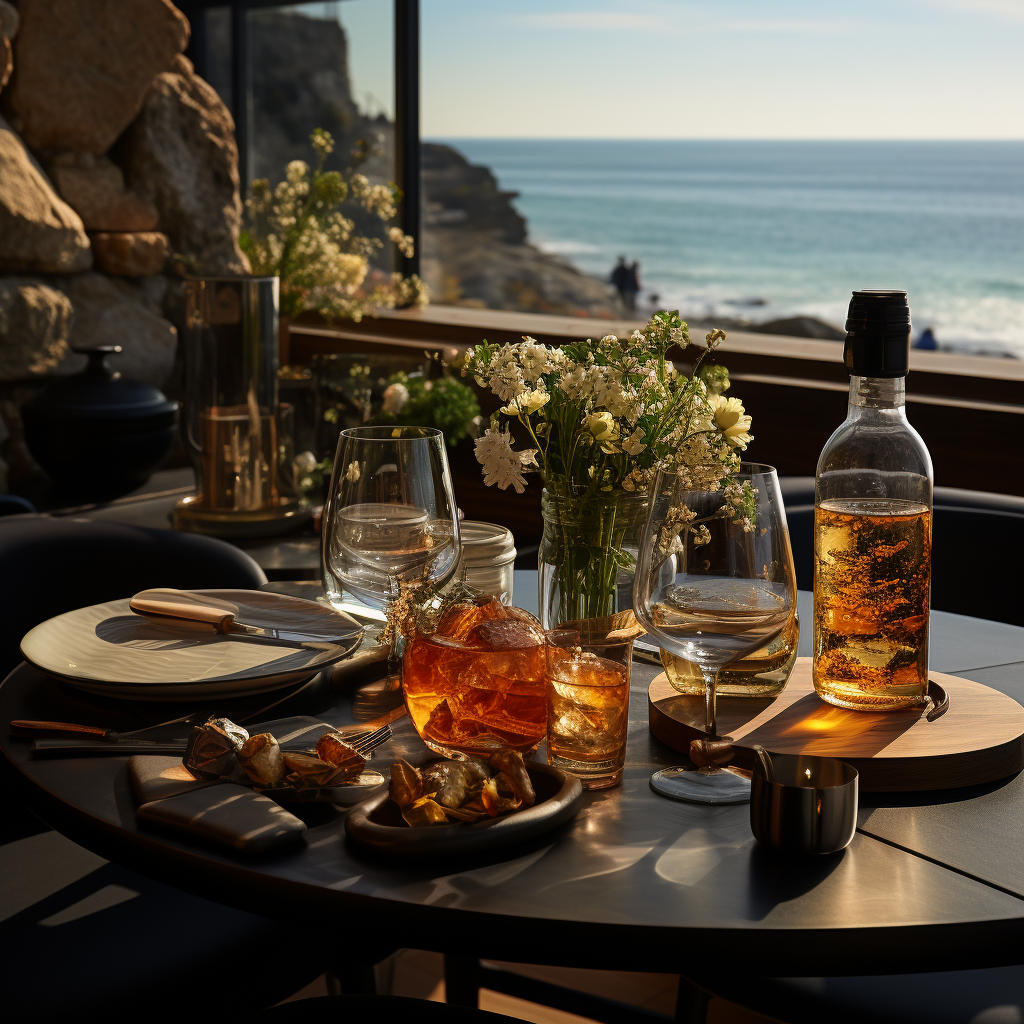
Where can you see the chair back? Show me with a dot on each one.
(51, 565)
(977, 552)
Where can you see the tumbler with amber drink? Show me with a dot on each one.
(476, 684)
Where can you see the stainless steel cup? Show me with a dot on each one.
(808, 805)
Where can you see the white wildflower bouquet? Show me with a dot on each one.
(601, 417)
(297, 231)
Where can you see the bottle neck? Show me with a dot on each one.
(871, 396)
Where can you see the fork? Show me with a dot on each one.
(367, 742)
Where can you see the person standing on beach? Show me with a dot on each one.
(629, 293)
(620, 277)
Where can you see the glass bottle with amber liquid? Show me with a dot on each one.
(873, 525)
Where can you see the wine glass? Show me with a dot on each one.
(714, 582)
(390, 521)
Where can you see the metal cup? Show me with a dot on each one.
(803, 804)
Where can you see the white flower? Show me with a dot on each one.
(534, 360)
(304, 462)
(731, 420)
(502, 466)
(352, 472)
(507, 382)
(575, 383)
(528, 456)
(528, 402)
(395, 397)
(634, 444)
(602, 425)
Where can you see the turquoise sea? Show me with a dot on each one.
(766, 229)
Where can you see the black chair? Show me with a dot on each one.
(83, 937)
(992, 996)
(379, 1010)
(977, 548)
(49, 565)
(13, 505)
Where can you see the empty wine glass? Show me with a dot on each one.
(390, 519)
(714, 582)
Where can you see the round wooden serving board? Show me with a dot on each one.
(979, 739)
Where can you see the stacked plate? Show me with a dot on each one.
(109, 650)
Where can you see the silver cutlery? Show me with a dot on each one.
(183, 609)
(365, 742)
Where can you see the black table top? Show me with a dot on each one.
(932, 881)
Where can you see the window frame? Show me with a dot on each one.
(406, 45)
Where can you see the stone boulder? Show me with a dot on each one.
(35, 322)
(39, 232)
(109, 312)
(8, 30)
(93, 186)
(180, 153)
(6, 61)
(801, 327)
(9, 20)
(129, 253)
(84, 67)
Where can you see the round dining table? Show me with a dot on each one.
(932, 880)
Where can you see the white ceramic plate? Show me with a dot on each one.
(109, 650)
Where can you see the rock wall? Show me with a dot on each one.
(116, 159)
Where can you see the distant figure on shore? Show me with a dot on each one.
(926, 340)
(632, 287)
(620, 277)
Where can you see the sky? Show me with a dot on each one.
(783, 69)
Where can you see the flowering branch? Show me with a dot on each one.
(298, 233)
(606, 415)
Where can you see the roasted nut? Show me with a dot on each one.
(211, 748)
(424, 812)
(406, 785)
(261, 759)
(308, 772)
(332, 748)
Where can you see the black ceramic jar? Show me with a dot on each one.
(97, 434)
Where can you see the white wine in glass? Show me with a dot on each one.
(713, 584)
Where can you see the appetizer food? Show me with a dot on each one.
(210, 753)
(332, 748)
(220, 749)
(449, 792)
(261, 759)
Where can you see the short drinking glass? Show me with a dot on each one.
(588, 705)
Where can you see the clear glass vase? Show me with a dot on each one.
(587, 556)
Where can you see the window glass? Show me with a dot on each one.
(751, 163)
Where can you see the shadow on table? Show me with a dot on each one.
(776, 877)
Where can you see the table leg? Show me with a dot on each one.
(356, 978)
(691, 1004)
(462, 980)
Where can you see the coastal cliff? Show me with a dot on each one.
(475, 248)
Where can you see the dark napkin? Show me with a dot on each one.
(154, 777)
(229, 814)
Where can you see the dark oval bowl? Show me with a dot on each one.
(378, 824)
(106, 451)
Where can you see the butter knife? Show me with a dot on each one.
(183, 609)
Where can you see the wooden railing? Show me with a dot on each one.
(968, 409)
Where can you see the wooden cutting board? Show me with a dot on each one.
(979, 739)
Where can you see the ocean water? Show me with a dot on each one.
(767, 229)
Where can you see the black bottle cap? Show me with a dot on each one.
(878, 334)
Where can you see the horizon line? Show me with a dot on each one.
(703, 138)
